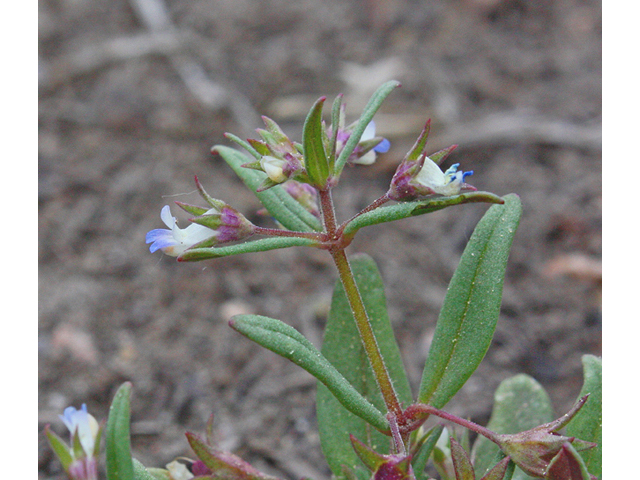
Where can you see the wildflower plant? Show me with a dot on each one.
(370, 423)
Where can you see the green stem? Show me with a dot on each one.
(366, 333)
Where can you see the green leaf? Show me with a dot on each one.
(118, 443)
(58, 446)
(471, 307)
(282, 206)
(390, 213)
(141, 473)
(292, 345)
(315, 158)
(252, 246)
(421, 457)
(335, 127)
(587, 424)
(343, 348)
(520, 403)
(367, 115)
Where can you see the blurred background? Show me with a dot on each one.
(133, 94)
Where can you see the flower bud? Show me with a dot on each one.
(419, 175)
(534, 449)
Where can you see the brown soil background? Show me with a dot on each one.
(134, 93)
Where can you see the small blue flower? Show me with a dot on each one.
(175, 240)
(81, 423)
(370, 157)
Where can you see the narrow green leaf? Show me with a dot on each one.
(390, 213)
(292, 345)
(343, 348)
(461, 462)
(421, 457)
(520, 403)
(587, 424)
(367, 115)
(261, 245)
(58, 446)
(471, 307)
(118, 443)
(315, 158)
(282, 206)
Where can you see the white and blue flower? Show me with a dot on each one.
(176, 240)
(81, 423)
(450, 182)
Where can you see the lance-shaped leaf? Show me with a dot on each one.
(315, 158)
(282, 206)
(423, 448)
(520, 403)
(262, 245)
(343, 348)
(587, 424)
(119, 464)
(471, 307)
(461, 462)
(390, 213)
(367, 115)
(292, 345)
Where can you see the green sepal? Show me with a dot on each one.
(266, 184)
(390, 213)
(243, 144)
(367, 115)
(520, 404)
(440, 155)
(418, 148)
(274, 129)
(59, 447)
(422, 450)
(471, 306)
(119, 464)
(282, 206)
(315, 157)
(343, 348)
(214, 202)
(192, 209)
(286, 341)
(211, 220)
(587, 424)
(261, 245)
(254, 166)
(142, 473)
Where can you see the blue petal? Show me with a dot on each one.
(383, 146)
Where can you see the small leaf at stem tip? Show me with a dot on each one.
(367, 115)
(315, 158)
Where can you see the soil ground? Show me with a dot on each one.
(133, 93)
